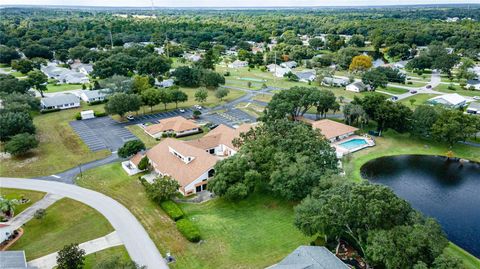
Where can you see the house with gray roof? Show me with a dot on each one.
(336, 82)
(164, 83)
(356, 87)
(64, 75)
(473, 108)
(310, 257)
(13, 260)
(289, 64)
(93, 96)
(60, 101)
(306, 75)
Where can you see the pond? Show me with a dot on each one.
(446, 190)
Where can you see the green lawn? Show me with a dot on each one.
(144, 137)
(119, 253)
(470, 261)
(263, 97)
(457, 89)
(67, 221)
(33, 196)
(251, 109)
(60, 147)
(63, 87)
(414, 83)
(420, 99)
(254, 233)
(393, 90)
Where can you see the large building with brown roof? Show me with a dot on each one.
(189, 162)
(333, 130)
(177, 125)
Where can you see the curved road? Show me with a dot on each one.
(137, 241)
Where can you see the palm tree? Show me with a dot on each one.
(7, 206)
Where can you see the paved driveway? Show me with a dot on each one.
(230, 117)
(102, 133)
(137, 241)
(154, 118)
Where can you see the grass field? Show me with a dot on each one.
(393, 90)
(66, 222)
(119, 253)
(253, 233)
(60, 147)
(145, 138)
(470, 261)
(251, 109)
(33, 196)
(420, 99)
(63, 87)
(444, 88)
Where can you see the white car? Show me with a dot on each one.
(181, 110)
(476, 98)
(130, 117)
(199, 107)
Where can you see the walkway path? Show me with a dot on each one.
(138, 243)
(49, 261)
(29, 213)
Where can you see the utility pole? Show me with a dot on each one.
(275, 68)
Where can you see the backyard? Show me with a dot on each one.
(67, 221)
(253, 233)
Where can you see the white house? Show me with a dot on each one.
(306, 75)
(280, 72)
(164, 83)
(64, 75)
(453, 100)
(473, 108)
(60, 101)
(93, 96)
(474, 83)
(273, 67)
(356, 87)
(337, 82)
(5, 232)
(80, 67)
(238, 64)
(289, 64)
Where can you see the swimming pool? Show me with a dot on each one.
(354, 143)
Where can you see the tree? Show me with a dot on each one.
(453, 126)
(423, 119)
(187, 76)
(375, 78)
(351, 209)
(17, 102)
(10, 84)
(117, 84)
(131, 148)
(140, 84)
(464, 69)
(345, 55)
(116, 64)
(115, 262)
(324, 100)
(7, 206)
(143, 164)
(334, 42)
(233, 178)
(8, 54)
(162, 189)
(37, 50)
(406, 245)
(21, 144)
(421, 62)
(14, 123)
(121, 103)
(164, 97)
(316, 43)
(153, 65)
(445, 261)
(211, 79)
(220, 93)
(201, 95)
(293, 103)
(151, 97)
(290, 76)
(78, 52)
(354, 114)
(38, 80)
(208, 60)
(370, 103)
(360, 63)
(71, 257)
(392, 115)
(196, 114)
(399, 51)
(177, 96)
(357, 41)
(23, 65)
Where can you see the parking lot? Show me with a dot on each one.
(154, 118)
(230, 118)
(102, 133)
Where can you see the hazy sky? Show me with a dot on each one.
(231, 3)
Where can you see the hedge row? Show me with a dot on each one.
(172, 210)
(189, 230)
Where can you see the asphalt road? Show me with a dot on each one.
(136, 240)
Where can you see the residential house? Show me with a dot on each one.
(289, 64)
(453, 100)
(13, 259)
(192, 57)
(164, 83)
(356, 87)
(238, 64)
(333, 130)
(93, 95)
(64, 75)
(475, 83)
(176, 125)
(190, 163)
(273, 67)
(311, 257)
(60, 101)
(5, 232)
(80, 67)
(473, 108)
(336, 82)
(306, 75)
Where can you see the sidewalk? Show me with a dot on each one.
(49, 261)
(28, 214)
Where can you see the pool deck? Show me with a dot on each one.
(341, 151)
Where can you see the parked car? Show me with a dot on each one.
(413, 91)
(476, 98)
(130, 117)
(428, 86)
(199, 107)
(394, 98)
(181, 110)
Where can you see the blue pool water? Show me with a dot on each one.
(354, 143)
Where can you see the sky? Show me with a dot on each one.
(231, 3)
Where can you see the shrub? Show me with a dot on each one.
(130, 148)
(172, 210)
(100, 114)
(143, 164)
(97, 102)
(78, 116)
(21, 144)
(189, 230)
(45, 111)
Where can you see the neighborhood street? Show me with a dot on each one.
(136, 240)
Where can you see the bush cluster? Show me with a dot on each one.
(189, 230)
(172, 210)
